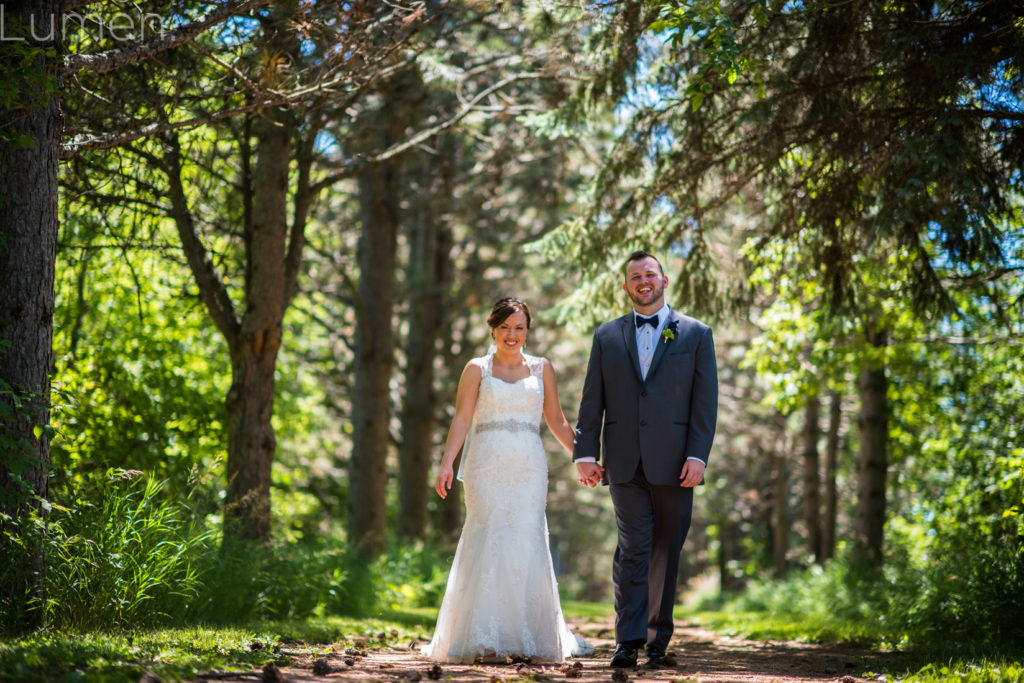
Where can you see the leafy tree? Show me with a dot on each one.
(29, 150)
(238, 232)
(852, 131)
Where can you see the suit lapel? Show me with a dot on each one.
(662, 344)
(629, 337)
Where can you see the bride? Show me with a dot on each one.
(502, 599)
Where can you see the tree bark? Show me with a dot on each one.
(29, 151)
(429, 274)
(379, 193)
(812, 476)
(872, 457)
(255, 339)
(250, 400)
(835, 413)
(730, 550)
(780, 502)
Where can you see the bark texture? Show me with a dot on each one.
(379, 192)
(29, 152)
(812, 477)
(250, 400)
(828, 532)
(28, 252)
(429, 275)
(872, 458)
(254, 338)
(780, 501)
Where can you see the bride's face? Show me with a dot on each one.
(510, 334)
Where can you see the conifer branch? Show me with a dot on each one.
(359, 164)
(111, 60)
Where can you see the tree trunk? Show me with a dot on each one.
(29, 150)
(812, 477)
(255, 339)
(872, 457)
(379, 193)
(835, 413)
(429, 274)
(780, 502)
(730, 550)
(250, 400)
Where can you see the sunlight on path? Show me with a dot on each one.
(700, 656)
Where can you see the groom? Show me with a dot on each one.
(652, 383)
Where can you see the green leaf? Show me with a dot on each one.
(22, 141)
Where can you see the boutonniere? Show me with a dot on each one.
(669, 333)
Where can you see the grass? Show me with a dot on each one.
(768, 626)
(182, 653)
(937, 663)
(587, 610)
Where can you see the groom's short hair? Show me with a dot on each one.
(639, 255)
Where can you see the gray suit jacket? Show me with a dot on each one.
(660, 421)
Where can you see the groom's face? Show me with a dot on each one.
(645, 283)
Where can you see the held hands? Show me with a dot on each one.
(590, 473)
(693, 472)
(444, 481)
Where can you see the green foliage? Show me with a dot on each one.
(25, 82)
(279, 580)
(834, 604)
(144, 375)
(413, 575)
(128, 558)
(172, 654)
(925, 597)
(136, 557)
(317, 576)
(984, 671)
(184, 653)
(17, 453)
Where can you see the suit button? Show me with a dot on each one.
(643, 423)
(643, 393)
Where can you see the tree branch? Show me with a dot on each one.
(111, 60)
(1011, 339)
(211, 289)
(85, 143)
(360, 164)
(304, 197)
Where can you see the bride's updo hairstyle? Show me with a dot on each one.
(503, 308)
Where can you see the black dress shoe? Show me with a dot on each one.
(624, 656)
(655, 655)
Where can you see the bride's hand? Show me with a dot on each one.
(590, 473)
(444, 481)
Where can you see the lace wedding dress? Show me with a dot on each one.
(502, 598)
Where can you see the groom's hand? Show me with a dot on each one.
(693, 473)
(590, 473)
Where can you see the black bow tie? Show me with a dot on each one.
(641, 321)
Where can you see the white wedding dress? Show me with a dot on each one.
(502, 598)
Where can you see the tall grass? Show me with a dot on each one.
(129, 555)
(924, 601)
(128, 558)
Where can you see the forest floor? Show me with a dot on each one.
(696, 655)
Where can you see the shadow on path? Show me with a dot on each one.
(696, 656)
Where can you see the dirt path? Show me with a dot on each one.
(700, 657)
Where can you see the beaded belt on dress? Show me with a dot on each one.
(509, 425)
